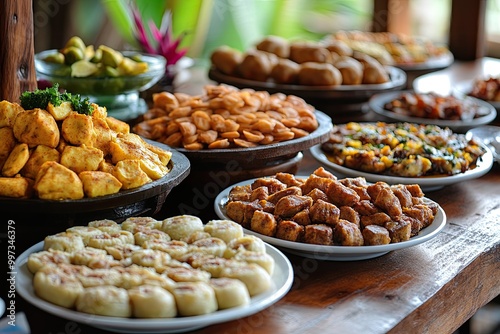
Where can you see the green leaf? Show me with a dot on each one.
(119, 14)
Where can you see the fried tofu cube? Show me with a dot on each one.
(153, 170)
(240, 193)
(348, 234)
(341, 195)
(318, 234)
(56, 182)
(376, 235)
(81, 158)
(61, 111)
(37, 157)
(117, 126)
(389, 203)
(164, 155)
(348, 213)
(294, 190)
(130, 174)
(7, 144)
(302, 217)
(8, 113)
(103, 135)
(36, 127)
(263, 223)
(399, 230)
(16, 160)
(78, 129)
(99, 111)
(17, 187)
(106, 166)
(235, 210)
(323, 212)
(288, 206)
(289, 230)
(97, 183)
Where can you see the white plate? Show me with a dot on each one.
(377, 103)
(465, 87)
(429, 183)
(433, 63)
(335, 253)
(282, 281)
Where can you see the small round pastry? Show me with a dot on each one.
(90, 257)
(194, 298)
(64, 241)
(106, 225)
(285, 72)
(57, 287)
(106, 239)
(175, 248)
(275, 44)
(151, 301)
(215, 265)
(105, 300)
(122, 252)
(339, 47)
(351, 70)
(147, 234)
(151, 258)
(133, 275)
(254, 276)
(196, 236)
(132, 223)
(99, 277)
(226, 59)
(247, 242)
(210, 246)
(182, 226)
(256, 65)
(264, 260)
(42, 258)
(86, 232)
(319, 74)
(224, 229)
(230, 292)
(183, 274)
(305, 51)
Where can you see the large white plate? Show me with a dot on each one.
(465, 88)
(335, 253)
(427, 183)
(282, 281)
(378, 101)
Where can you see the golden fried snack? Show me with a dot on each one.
(55, 182)
(351, 70)
(303, 52)
(226, 59)
(275, 44)
(319, 74)
(256, 65)
(36, 127)
(285, 72)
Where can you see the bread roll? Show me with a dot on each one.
(40, 259)
(256, 65)
(106, 225)
(105, 300)
(226, 230)
(195, 298)
(256, 278)
(276, 45)
(285, 72)
(230, 292)
(304, 52)
(180, 227)
(319, 74)
(57, 287)
(132, 223)
(247, 242)
(351, 70)
(226, 59)
(150, 301)
(64, 241)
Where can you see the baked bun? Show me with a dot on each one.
(151, 301)
(105, 300)
(230, 292)
(195, 298)
(180, 227)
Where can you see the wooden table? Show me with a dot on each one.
(434, 287)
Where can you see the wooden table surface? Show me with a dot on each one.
(433, 287)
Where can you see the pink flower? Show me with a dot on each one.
(164, 44)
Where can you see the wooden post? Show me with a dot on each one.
(17, 64)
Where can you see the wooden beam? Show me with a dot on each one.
(467, 29)
(17, 65)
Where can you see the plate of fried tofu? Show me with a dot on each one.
(319, 216)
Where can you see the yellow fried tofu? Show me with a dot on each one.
(6, 144)
(16, 160)
(117, 126)
(37, 157)
(81, 158)
(61, 111)
(17, 187)
(106, 166)
(131, 146)
(78, 129)
(130, 174)
(163, 155)
(103, 134)
(8, 113)
(36, 127)
(97, 183)
(99, 112)
(56, 182)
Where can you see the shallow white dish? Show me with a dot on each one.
(335, 253)
(429, 183)
(464, 88)
(282, 282)
(377, 103)
(489, 135)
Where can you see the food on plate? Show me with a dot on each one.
(486, 89)
(402, 149)
(226, 117)
(87, 61)
(92, 270)
(324, 210)
(434, 106)
(308, 63)
(389, 48)
(81, 152)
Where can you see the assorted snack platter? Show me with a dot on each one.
(195, 274)
(324, 217)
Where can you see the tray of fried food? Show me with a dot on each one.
(58, 147)
(146, 270)
(226, 123)
(308, 68)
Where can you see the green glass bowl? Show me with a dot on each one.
(100, 86)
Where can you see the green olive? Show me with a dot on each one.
(111, 72)
(110, 57)
(72, 54)
(56, 58)
(76, 42)
(97, 56)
